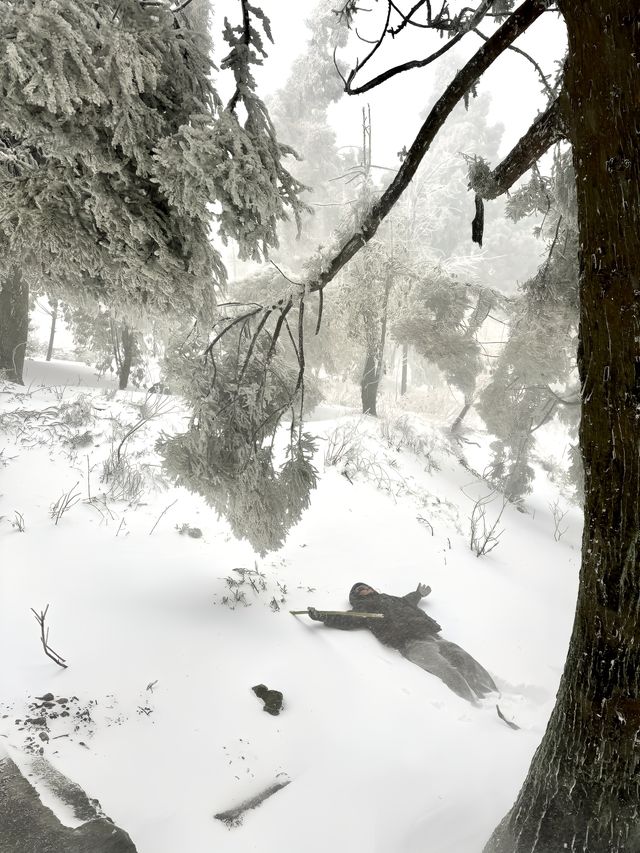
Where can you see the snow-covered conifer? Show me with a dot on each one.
(118, 155)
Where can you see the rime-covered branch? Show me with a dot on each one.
(545, 131)
(515, 25)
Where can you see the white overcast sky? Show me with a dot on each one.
(396, 106)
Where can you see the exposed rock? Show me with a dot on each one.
(26, 825)
(272, 699)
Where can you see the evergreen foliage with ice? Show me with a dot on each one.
(434, 322)
(238, 165)
(535, 374)
(118, 153)
(106, 342)
(300, 110)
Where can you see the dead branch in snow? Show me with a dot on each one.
(44, 637)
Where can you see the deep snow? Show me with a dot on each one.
(165, 730)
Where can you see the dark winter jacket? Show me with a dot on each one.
(403, 620)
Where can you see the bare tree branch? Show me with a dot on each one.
(515, 25)
(398, 69)
(437, 23)
(320, 307)
(528, 57)
(44, 637)
(371, 53)
(408, 18)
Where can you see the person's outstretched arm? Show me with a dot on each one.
(415, 597)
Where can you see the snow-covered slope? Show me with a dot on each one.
(160, 722)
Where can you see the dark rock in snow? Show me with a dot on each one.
(272, 699)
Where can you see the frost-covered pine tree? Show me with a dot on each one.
(535, 376)
(300, 110)
(112, 347)
(118, 156)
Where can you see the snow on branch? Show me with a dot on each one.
(526, 14)
(546, 131)
(243, 386)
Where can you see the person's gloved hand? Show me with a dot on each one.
(423, 590)
(314, 614)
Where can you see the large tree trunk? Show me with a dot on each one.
(52, 330)
(583, 787)
(455, 426)
(14, 324)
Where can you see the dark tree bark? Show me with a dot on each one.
(52, 330)
(128, 341)
(550, 127)
(14, 324)
(464, 411)
(582, 791)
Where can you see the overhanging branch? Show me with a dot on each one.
(474, 21)
(545, 131)
(529, 58)
(515, 25)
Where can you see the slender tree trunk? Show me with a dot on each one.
(455, 426)
(52, 331)
(479, 314)
(128, 340)
(369, 384)
(115, 343)
(14, 324)
(372, 373)
(403, 375)
(582, 792)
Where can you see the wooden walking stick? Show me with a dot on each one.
(352, 613)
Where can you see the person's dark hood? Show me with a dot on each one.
(362, 602)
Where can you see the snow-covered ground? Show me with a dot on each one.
(64, 374)
(161, 724)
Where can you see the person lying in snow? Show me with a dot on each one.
(414, 634)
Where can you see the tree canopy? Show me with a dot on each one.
(119, 153)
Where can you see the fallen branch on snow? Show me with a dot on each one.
(44, 638)
(233, 817)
